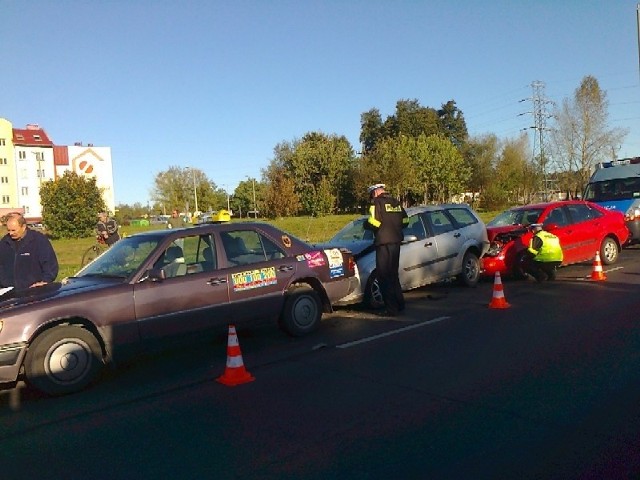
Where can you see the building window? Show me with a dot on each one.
(3, 161)
(37, 138)
(25, 191)
(22, 155)
(4, 179)
(5, 199)
(39, 156)
(40, 173)
(2, 142)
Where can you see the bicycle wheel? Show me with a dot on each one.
(91, 254)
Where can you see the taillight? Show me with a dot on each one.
(632, 215)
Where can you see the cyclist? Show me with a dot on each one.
(107, 229)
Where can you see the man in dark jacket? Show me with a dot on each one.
(387, 218)
(27, 258)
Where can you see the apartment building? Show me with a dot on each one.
(28, 158)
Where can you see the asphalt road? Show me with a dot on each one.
(548, 388)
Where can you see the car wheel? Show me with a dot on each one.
(609, 251)
(63, 360)
(302, 311)
(373, 294)
(470, 274)
(519, 261)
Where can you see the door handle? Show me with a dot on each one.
(428, 244)
(217, 281)
(457, 234)
(285, 268)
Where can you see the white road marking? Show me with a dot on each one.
(392, 332)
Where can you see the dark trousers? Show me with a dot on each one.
(542, 271)
(387, 265)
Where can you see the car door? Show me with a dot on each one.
(193, 297)
(258, 272)
(558, 222)
(587, 229)
(449, 243)
(417, 257)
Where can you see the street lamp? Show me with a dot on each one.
(195, 191)
(255, 206)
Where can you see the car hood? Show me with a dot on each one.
(68, 286)
(357, 247)
(493, 232)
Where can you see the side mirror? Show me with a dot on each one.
(156, 275)
(409, 239)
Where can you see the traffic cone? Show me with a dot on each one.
(234, 373)
(597, 274)
(498, 300)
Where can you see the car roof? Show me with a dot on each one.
(551, 204)
(208, 227)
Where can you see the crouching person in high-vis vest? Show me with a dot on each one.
(545, 254)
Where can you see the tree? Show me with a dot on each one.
(180, 187)
(70, 205)
(411, 119)
(582, 138)
(280, 198)
(371, 130)
(480, 156)
(453, 124)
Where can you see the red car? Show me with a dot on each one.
(583, 228)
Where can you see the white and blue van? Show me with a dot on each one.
(616, 186)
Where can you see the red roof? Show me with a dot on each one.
(32, 136)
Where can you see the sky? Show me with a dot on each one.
(216, 85)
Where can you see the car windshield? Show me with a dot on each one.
(614, 189)
(353, 231)
(520, 216)
(122, 259)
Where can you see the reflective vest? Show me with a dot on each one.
(549, 251)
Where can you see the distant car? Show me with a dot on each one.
(440, 242)
(583, 228)
(159, 219)
(162, 284)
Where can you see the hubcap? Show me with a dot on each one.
(68, 361)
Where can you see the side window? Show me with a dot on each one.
(462, 216)
(557, 216)
(199, 254)
(439, 222)
(582, 213)
(243, 247)
(271, 250)
(415, 227)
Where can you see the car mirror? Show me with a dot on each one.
(156, 274)
(409, 239)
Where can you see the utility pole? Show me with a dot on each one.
(540, 116)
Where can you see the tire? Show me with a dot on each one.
(373, 294)
(302, 311)
(470, 275)
(91, 254)
(63, 360)
(518, 271)
(609, 251)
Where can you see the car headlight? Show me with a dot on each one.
(494, 249)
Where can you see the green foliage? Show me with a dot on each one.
(70, 205)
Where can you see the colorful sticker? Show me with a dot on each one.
(336, 271)
(335, 257)
(254, 279)
(300, 258)
(286, 241)
(315, 259)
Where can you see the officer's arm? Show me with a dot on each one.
(372, 222)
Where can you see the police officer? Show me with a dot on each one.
(386, 219)
(545, 254)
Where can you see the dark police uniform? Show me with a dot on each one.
(387, 218)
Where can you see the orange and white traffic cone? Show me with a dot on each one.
(597, 274)
(234, 373)
(498, 300)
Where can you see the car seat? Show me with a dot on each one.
(208, 263)
(174, 262)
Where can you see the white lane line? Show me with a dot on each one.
(613, 269)
(392, 332)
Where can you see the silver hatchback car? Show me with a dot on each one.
(441, 242)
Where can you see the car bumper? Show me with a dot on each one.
(491, 265)
(10, 361)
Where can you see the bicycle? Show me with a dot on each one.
(93, 251)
